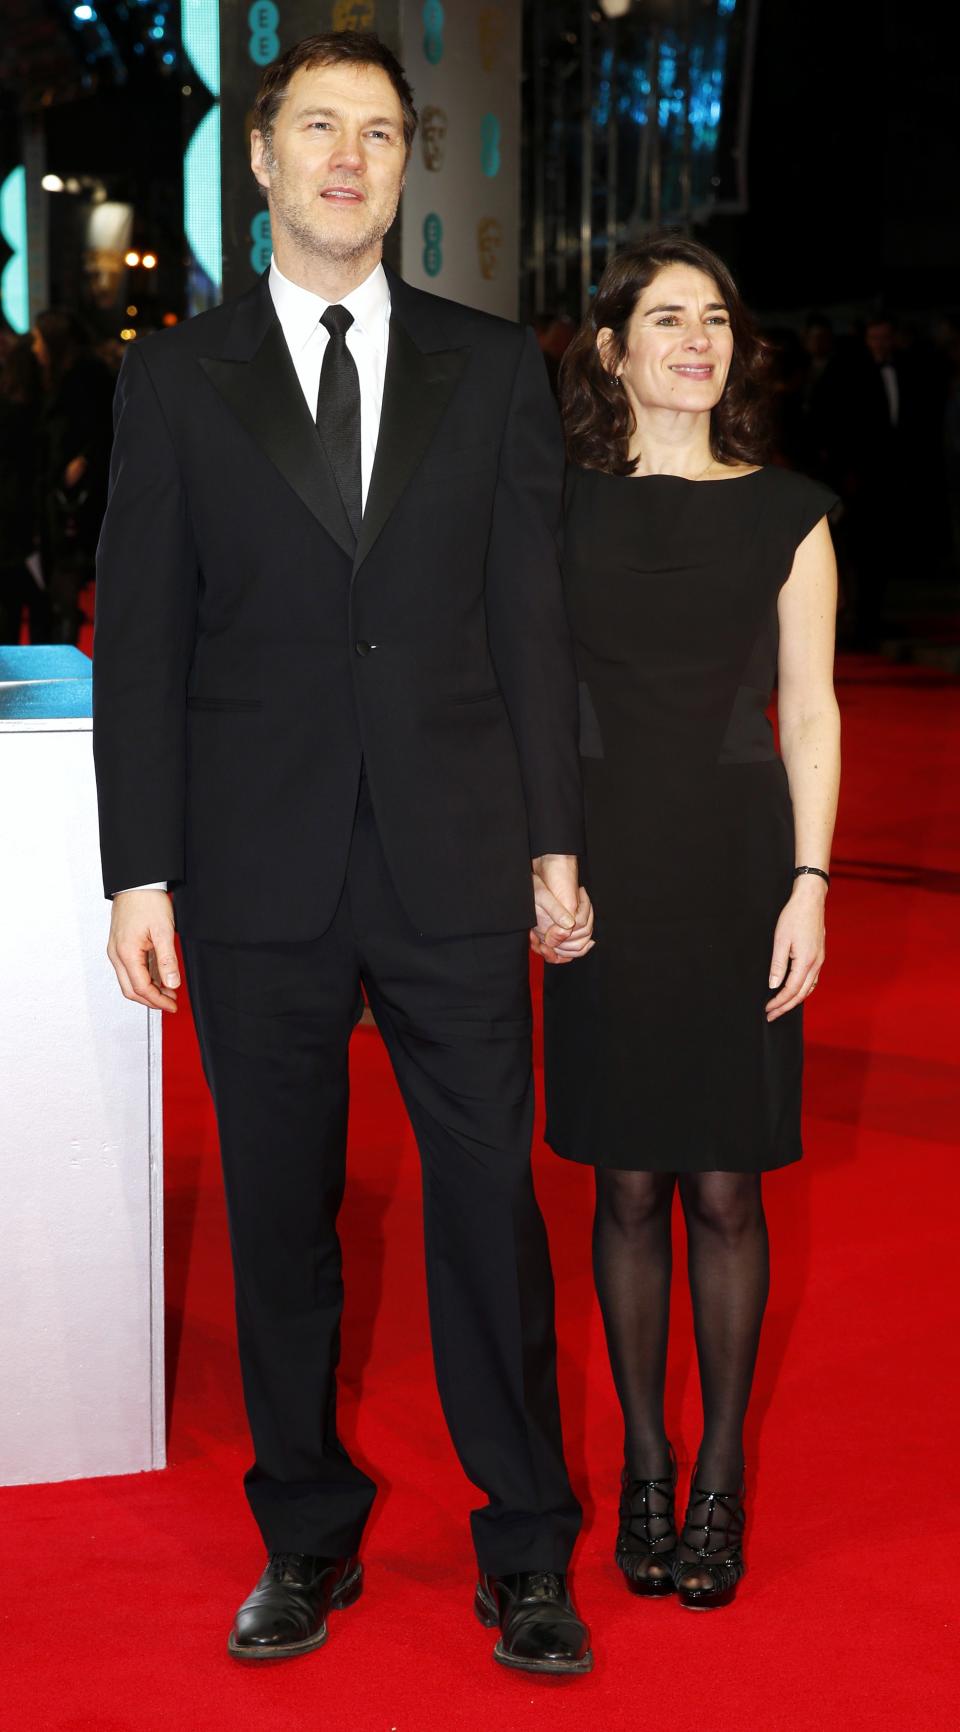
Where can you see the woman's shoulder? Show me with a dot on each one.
(798, 490)
(794, 503)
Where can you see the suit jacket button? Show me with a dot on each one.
(363, 648)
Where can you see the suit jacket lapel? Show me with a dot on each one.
(257, 380)
(418, 386)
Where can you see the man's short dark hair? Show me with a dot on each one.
(333, 48)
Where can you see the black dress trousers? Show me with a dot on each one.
(274, 1022)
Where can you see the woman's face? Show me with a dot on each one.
(39, 348)
(679, 343)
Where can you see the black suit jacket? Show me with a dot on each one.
(248, 655)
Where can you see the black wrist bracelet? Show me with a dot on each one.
(815, 871)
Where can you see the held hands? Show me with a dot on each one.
(564, 928)
(141, 948)
(799, 947)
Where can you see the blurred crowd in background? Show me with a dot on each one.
(872, 408)
(56, 428)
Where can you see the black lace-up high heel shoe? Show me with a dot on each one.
(647, 1537)
(719, 1556)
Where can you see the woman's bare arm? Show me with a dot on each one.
(810, 743)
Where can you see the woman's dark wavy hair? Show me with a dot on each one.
(597, 417)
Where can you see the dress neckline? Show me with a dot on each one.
(687, 480)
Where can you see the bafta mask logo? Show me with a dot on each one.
(433, 137)
(354, 15)
(489, 242)
(492, 26)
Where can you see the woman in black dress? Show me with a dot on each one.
(696, 578)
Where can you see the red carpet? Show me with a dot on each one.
(117, 1594)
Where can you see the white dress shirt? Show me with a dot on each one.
(300, 312)
(891, 385)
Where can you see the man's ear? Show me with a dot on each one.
(258, 159)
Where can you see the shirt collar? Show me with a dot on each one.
(300, 311)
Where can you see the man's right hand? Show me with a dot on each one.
(141, 948)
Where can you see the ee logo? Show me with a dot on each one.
(490, 144)
(432, 245)
(433, 22)
(262, 246)
(264, 44)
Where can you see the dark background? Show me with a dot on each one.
(854, 148)
(854, 157)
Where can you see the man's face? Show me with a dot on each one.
(818, 340)
(334, 166)
(881, 341)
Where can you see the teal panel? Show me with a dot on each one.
(201, 196)
(14, 282)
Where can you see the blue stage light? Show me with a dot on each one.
(201, 196)
(200, 29)
(85, 14)
(14, 286)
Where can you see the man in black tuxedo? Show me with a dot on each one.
(335, 713)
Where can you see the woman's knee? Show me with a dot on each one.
(632, 1202)
(729, 1205)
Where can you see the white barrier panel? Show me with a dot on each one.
(81, 1246)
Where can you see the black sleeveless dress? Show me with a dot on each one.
(658, 1055)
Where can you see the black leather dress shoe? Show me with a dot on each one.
(539, 1628)
(287, 1612)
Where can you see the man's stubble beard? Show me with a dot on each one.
(294, 219)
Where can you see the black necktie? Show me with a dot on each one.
(338, 412)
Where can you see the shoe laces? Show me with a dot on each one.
(544, 1585)
(288, 1566)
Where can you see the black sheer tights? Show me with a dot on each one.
(632, 1262)
(728, 1264)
